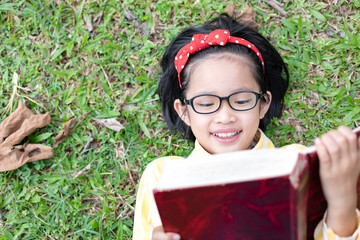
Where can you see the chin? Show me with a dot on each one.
(226, 150)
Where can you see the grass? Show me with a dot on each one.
(112, 71)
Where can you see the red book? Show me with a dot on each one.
(263, 194)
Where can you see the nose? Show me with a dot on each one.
(225, 114)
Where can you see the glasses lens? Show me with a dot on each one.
(243, 100)
(206, 104)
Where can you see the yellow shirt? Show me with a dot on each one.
(146, 213)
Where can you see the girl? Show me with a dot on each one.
(222, 83)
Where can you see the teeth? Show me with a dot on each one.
(226, 135)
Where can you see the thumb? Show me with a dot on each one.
(173, 236)
(159, 234)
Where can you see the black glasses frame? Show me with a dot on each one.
(191, 101)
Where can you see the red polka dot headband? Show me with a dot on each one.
(202, 41)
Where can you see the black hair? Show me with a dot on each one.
(275, 78)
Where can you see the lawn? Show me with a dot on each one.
(101, 58)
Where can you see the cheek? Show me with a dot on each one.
(186, 118)
(195, 118)
(251, 118)
(199, 122)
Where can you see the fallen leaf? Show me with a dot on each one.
(110, 123)
(247, 15)
(230, 9)
(65, 132)
(20, 124)
(68, 128)
(12, 123)
(13, 158)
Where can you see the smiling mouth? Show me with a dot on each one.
(226, 135)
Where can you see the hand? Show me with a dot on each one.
(159, 234)
(339, 155)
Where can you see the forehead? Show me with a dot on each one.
(222, 74)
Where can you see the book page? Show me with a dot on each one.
(227, 168)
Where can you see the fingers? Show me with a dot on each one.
(339, 156)
(321, 149)
(353, 149)
(350, 136)
(329, 148)
(166, 236)
(337, 144)
(159, 234)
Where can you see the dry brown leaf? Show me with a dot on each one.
(65, 132)
(20, 124)
(230, 9)
(247, 16)
(12, 123)
(111, 123)
(68, 128)
(13, 158)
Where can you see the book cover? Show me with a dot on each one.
(264, 194)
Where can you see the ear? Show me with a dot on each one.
(181, 110)
(265, 104)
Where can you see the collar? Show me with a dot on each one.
(260, 141)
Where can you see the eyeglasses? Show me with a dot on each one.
(209, 103)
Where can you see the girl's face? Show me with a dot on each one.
(225, 130)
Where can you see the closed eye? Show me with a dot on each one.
(206, 104)
(242, 102)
